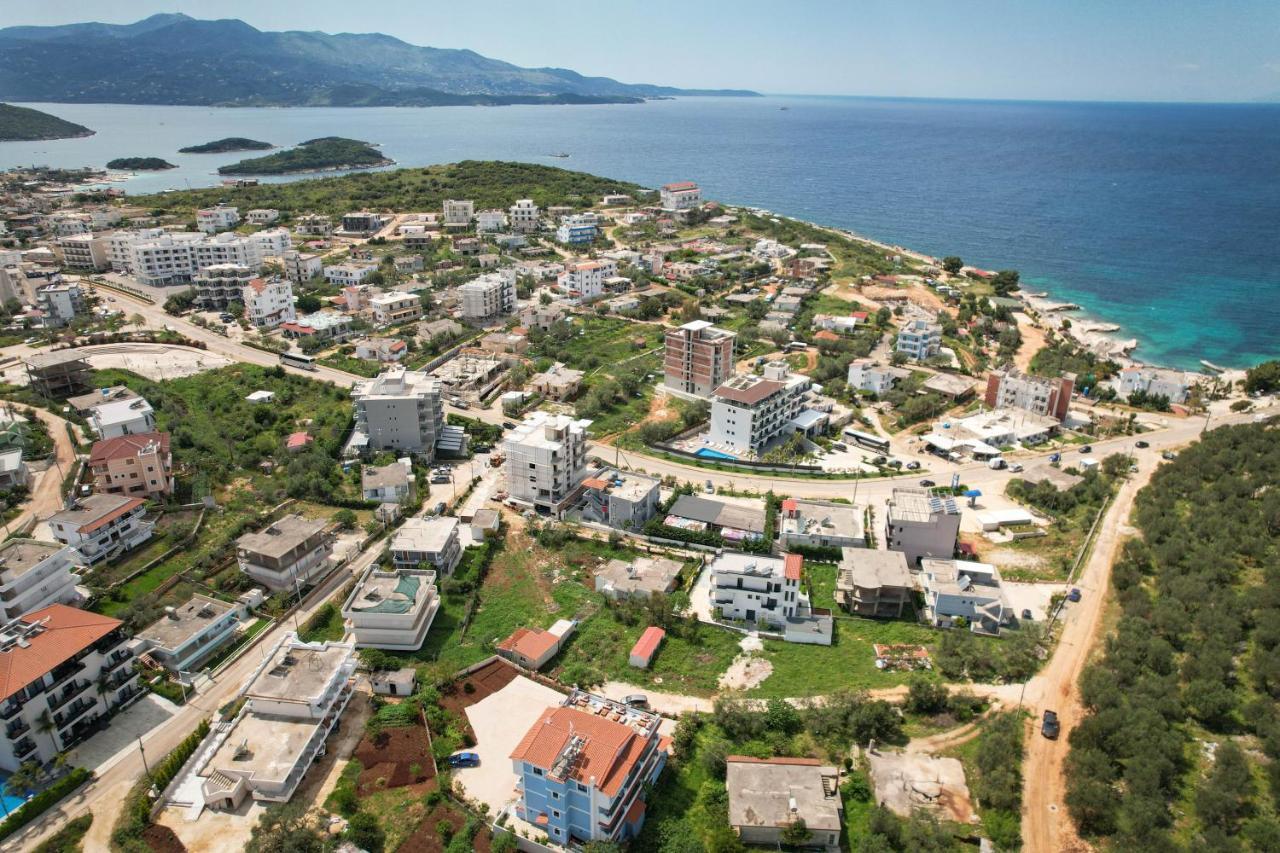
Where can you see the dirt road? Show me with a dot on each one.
(1046, 826)
(46, 497)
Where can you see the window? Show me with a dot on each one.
(555, 813)
(537, 771)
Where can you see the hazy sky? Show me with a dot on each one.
(1174, 50)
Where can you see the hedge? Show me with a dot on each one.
(41, 802)
(135, 816)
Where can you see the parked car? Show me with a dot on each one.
(440, 508)
(637, 700)
(996, 464)
(709, 487)
(1015, 467)
(1141, 445)
(1074, 595)
(1168, 454)
(464, 759)
(1088, 448)
(508, 425)
(840, 445)
(913, 466)
(879, 460)
(1026, 614)
(924, 484)
(1050, 728)
(1055, 458)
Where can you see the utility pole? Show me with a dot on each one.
(143, 753)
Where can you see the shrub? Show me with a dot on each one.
(41, 802)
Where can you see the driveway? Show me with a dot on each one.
(121, 736)
(700, 596)
(1031, 596)
(500, 721)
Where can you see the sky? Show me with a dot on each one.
(1137, 50)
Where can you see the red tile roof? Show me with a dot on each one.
(531, 643)
(789, 505)
(792, 566)
(67, 632)
(297, 440)
(595, 483)
(648, 643)
(825, 335)
(124, 446)
(681, 185)
(610, 751)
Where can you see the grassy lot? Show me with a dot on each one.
(822, 583)
(351, 364)
(849, 662)
(1053, 554)
(325, 624)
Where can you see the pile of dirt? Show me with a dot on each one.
(745, 672)
(162, 839)
(394, 758)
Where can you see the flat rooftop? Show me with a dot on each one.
(424, 534)
(280, 537)
(265, 746)
(816, 519)
(761, 792)
(631, 487)
(19, 556)
(721, 514)
(297, 673)
(737, 562)
(871, 569)
(650, 574)
(185, 621)
(391, 592)
(920, 505)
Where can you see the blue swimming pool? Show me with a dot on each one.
(11, 802)
(708, 453)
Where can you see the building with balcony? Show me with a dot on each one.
(546, 455)
(216, 287)
(272, 242)
(1173, 385)
(302, 266)
(350, 273)
(458, 213)
(262, 216)
(682, 195)
(955, 589)
(583, 768)
(873, 582)
(34, 575)
(427, 541)
(189, 633)
(398, 410)
(390, 483)
(314, 225)
(268, 302)
(285, 555)
(584, 279)
(1040, 395)
(490, 296)
(767, 591)
(395, 307)
(292, 703)
(577, 230)
(392, 610)
(62, 671)
(60, 303)
(100, 527)
(750, 412)
(698, 358)
(363, 222)
(557, 382)
(921, 523)
(619, 499)
(919, 339)
(137, 466)
(320, 326)
(221, 217)
(817, 524)
(85, 252)
(866, 375)
(525, 216)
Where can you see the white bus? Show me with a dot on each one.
(298, 360)
(866, 439)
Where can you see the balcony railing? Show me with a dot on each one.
(75, 712)
(65, 677)
(115, 661)
(73, 690)
(16, 729)
(23, 748)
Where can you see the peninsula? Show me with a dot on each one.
(230, 143)
(327, 153)
(18, 124)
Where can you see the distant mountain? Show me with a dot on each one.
(25, 124)
(175, 59)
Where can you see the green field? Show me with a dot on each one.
(849, 662)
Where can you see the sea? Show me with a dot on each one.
(1163, 219)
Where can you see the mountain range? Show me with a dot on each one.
(176, 59)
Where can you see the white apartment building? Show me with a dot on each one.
(1154, 381)
(122, 417)
(525, 216)
(585, 279)
(748, 412)
(60, 303)
(226, 248)
(154, 256)
(292, 703)
(961, 589)
(391, 483)
(100, 527)
(86, 251)
(546, 455)
(262, 216)
(920, 339)
(34, 575)
(619, 499)
(286, 554)
(490, 220)
(921, 523)
(398, 410)
(63, 671)
(220, 217)
(395, 306)
(392, 610)
(681, 195)
(348, 274)
(872, 377)
(577, 229)
(269, 302)
(490, 296)
(458, 213)
(272, 241)
(190, 632)
(302, 266)
(432, 541)
(756, 588)
(216, 287)
(698, 358)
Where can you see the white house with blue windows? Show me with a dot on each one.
(581, 770)
(576, 230)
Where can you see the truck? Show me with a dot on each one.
(996, 464)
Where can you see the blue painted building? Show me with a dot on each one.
(582, 768)
(576, 230)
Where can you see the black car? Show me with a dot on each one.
(924, 484)
(508, 425)
(1141, 445)
(1088, 448)
(1050, 728)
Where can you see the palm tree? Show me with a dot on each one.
(25, 778)
(44, 725)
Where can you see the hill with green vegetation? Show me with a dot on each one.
(327, 152)
(140, 164)
(175, 59)
(18, 124)
(230, 143)
(1180, 748)
(489, 183)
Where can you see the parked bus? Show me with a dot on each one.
(866, 439)
(298, 360)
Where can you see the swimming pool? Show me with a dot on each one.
(11, 803)
(708, 453)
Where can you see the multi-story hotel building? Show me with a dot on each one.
(698, 359)
(546, 455)
(1012, 389)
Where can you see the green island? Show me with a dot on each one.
(326, 152)
(20, 124)
(230, 143)
(140, 164)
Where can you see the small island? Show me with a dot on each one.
(231, 143)
(23, 124)
(328, 153)
(140, 164)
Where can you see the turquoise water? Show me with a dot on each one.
(708, 453)
(1161, 218)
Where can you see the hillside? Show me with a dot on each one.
(327, 152)
(175, 59)
(230, 143)
(23, 123)
(489, 183)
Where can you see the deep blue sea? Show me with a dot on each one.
(1164, 219)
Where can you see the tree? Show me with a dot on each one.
(345, 519)
(1223, 801)
(1005, 282)
(307, 303)
(137, 320)
(952, 264)
(364, 832)
(1263, 378)
(795, 833)
(926, 697)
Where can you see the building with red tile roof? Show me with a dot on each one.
(102, 526)
(532, 648)
(139, 465)
(646, 647)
